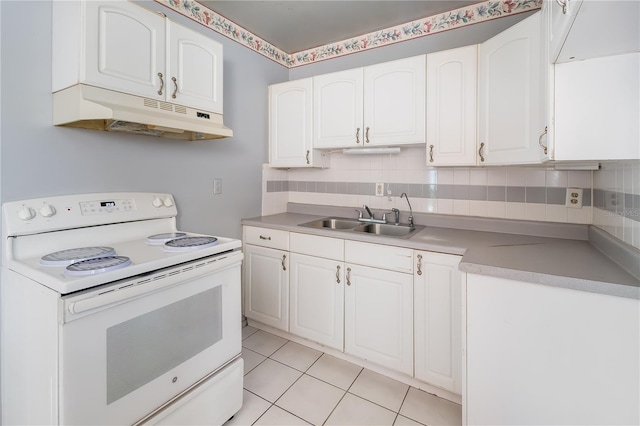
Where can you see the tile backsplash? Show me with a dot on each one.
(529, 193)
(616, 200)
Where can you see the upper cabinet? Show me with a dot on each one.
(512, 112)
(452, 107)
(290, 124)
(591, 29)
(379, 105)
(121, 46)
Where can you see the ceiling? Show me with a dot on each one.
(293, 26)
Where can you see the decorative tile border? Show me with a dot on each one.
(480, 12)
(509, 194)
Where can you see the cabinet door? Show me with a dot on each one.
(290, 129)
(451, 107)
(511, 94)
(438, 320)
(317, 299)
(195, 69)
(379, 316)
(124, 49)
(394, 102)
(597, 109)
(562, 18)
(337, 109)
(266, 280)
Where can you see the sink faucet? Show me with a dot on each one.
(371, 218)
(404, 194)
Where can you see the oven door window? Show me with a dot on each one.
(146, 347)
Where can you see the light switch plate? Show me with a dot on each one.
(217, 186)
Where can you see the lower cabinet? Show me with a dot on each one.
(379, 316)
(438, 286)
(392, 306)
(317, 299)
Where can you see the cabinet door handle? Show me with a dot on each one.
(544, 147)
(358, 135)
(419, 264)
(284, 257)
(175, 87)
(348, 276)
(480, 152)
(563, 5)
(262, 237)
(338, 274)
(431, 153)
(366, 135)
(307, 156)
(161, 83)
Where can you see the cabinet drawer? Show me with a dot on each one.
(313, 245)
(266, 237)
(379, 256)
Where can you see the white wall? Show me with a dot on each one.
(39, 159)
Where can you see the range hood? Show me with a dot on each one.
(90, 107)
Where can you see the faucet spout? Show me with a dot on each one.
(366, 207)
(404, 194)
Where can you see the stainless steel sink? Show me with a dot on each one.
(333, 223)
(347, 224)
(389, 229)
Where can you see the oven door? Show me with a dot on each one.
(131, 347)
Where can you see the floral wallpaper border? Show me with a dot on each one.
(479, 12)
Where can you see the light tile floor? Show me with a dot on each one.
(289, 384)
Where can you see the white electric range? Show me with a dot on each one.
(123, 317)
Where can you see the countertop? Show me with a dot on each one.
(568, 262)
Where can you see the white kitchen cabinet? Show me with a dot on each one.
(378, 105)
(121, 46)
(266, 276)
(452, 107)
(561, 15)
(379, 305)
(194, 70)
(437, 299)
(291, 124)
(597, 108)
(338, 109)
(512, 99)
(317, 289)
(539, 354)
(574, 37)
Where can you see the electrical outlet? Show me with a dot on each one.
(379, 189)
(574, 198)
(217, 186)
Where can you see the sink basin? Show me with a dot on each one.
(333, 223)
(389, 229)
(402, 230)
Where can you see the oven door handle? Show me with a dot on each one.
(105, 299)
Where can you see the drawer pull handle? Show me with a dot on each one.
(348, 276)
(307, 156)
(175, 85)
(161, 83)
(431, 153)
(419, 264)
(284, 257)
(366, 135)
(358, 135)
(265, 238)
(544, 147)
(338, 274)
(480, 152)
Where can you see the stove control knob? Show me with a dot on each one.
(168, 202)
(157, 202)
(26, 213)
(47, 210)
